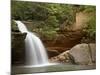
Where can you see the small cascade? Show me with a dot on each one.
(35, 51)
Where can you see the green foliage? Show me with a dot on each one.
(14, 26)
(49, 17)
(49, 34)
(28, 11)
(91, 24)
(52, 21)
(40, 11)
(90, 9)
(86, 8)
(91, 29)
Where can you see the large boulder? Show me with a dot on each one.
(84, 54)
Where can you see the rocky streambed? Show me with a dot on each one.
(81, 54)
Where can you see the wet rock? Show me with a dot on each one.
(52, 53)
(18, 48)
(84, 54)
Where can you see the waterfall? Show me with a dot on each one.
(35, 51)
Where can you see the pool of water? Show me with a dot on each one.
(50, 68)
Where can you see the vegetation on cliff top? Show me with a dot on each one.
(50, 17)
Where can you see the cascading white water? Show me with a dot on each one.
(35, 51)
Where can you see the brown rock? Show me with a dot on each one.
(52, 53)
(18, 48)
